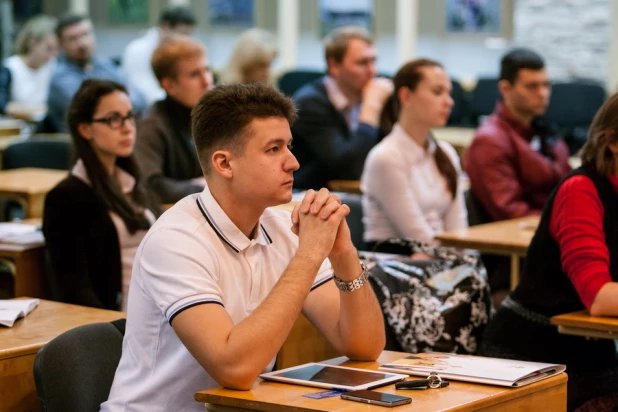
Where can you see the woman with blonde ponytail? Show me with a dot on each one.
(410, 180)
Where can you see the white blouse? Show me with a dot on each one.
(404, 194)
(128, 242)
(29, 86)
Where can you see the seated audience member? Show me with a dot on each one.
(339, 113)
(95, 219)
(221, 277)
(410, 181)
(251, 58)
(165, 149)
(513, 166)
(571, 264)
(24, 85)
(136, 57)
(77, 63)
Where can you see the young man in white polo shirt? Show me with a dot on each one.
(219, 279)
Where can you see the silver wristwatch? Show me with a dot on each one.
(354, 284)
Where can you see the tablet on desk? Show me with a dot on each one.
(332, 377)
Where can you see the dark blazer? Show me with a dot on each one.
(324, 145)
(83, 246)
(165, 152)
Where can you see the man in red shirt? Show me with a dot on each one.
(511, 165)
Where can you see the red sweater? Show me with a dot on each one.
(577, 225)
(507, 175)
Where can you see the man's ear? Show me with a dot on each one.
(167, 84)
(85, 130)
(221, 163)
(333, 67)
(504, 86)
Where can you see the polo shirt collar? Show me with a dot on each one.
(505, 114)
(223, 226)
(413, 150)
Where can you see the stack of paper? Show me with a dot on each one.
(20, 234)
(13, 309)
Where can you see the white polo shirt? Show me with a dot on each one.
(193, 255)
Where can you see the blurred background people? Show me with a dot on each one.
(165, 148)
(251, 58)
(95, 219)
(410, 181)
(136, 57)
(76, 63)
(339, 113)
(25, 83)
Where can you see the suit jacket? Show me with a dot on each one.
(165, 152)
(507, 175)
(83, 246)
(324, 145)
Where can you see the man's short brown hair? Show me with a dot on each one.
(221, 117)
(336, 43)
(165, 58)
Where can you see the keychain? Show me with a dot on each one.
(433, 381)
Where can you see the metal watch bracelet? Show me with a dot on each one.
(354, 284)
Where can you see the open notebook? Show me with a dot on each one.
(478, 369)
(13, 309)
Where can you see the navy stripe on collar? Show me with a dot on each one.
(270, 241)
(214, 227)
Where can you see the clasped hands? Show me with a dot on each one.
(319, 221)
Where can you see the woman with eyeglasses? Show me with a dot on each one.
(95, 219)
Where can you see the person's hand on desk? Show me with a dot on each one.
(28, 112)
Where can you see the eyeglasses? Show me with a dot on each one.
(116, 121)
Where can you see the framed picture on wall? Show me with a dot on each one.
(474, 16)
(338, 13)
(128, 11)
(235, 13)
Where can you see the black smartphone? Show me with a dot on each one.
(376, 398)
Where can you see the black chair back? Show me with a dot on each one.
(74, 372)
(483, 98)
(47, 154)
(354, 218)
(477, 215)
(290, 82)
(571, 109)
(461, 107)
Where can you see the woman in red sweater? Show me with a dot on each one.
(572, 264)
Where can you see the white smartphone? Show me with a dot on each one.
(376, 398)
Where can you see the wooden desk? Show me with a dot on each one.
(29, 261)
(458, 137)
(29, 186)
(581, 323)
(19, 345)
(546, 395)
(349, 186)
(508, 237)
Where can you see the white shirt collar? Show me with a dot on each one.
(411, 147)
(223, 226)
(125, 180)
(335, 95)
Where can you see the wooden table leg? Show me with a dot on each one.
(514, 271)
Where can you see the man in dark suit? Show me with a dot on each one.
(339, 113)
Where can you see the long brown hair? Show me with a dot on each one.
(409, 76)
(603, 131)
(81, 110)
